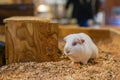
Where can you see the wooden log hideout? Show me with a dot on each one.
(31, 39)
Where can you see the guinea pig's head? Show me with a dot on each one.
(73, 44)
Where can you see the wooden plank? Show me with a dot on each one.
(31, 41)
(93, 33)
(115, 34)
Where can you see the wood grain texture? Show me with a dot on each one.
(35, 41)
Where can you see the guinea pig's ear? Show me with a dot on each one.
(80, 41)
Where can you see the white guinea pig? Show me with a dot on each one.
(80, 48)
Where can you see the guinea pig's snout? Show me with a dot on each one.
(67, 50)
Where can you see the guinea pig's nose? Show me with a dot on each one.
(67, 51)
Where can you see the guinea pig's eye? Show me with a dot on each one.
(74, 43)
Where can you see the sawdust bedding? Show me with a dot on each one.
(105, 67)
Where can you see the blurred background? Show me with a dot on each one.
(108, 14)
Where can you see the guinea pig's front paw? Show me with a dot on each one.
(84, 62)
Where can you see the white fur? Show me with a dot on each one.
(80, 52)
